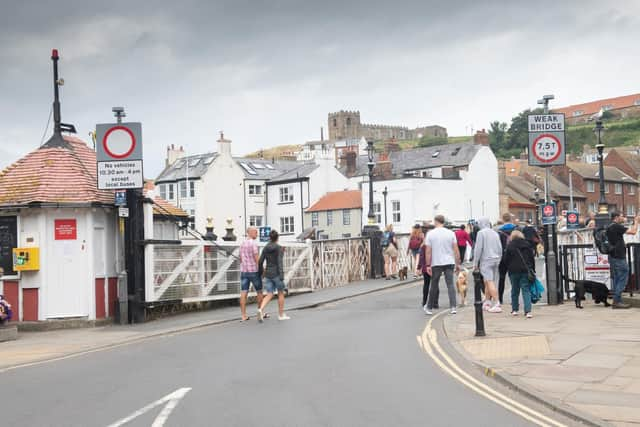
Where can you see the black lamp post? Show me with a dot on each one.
(370, 164)
(384, 193)
(536, 198)
(602, 218)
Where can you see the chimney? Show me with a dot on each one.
(391, 146)
(384, 167)
(224, 146)
(481, 138)
(173, 154)
(350, 157)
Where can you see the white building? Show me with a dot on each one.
(459, 181)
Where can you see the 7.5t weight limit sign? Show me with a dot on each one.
(546, 140)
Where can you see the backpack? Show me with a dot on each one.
(601, 239)
(415, 242)
(385, 239)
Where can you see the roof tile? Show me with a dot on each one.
(347, 199)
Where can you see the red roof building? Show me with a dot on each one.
(621, 106)
(348, 199)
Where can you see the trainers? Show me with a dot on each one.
(620, 305)
(495, 309)
(424, 307)
(486, 305)
(453, 310)
(260, 315)
(428, 311)
(284, 317)
(529, 315)
(514, 313)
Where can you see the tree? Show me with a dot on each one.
(497, 135)
(518, 133)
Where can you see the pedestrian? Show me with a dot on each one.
(249, 271)
(422, 266)
(519, 260)
(504, 231)
(442, 257)
(413, 250)
(531, 235)
(390, 253)
(273, 254)
(487, 254)
(463, 239)
(591, 220)
(618, 256)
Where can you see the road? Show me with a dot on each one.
(351, 363)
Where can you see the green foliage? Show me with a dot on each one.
(431, 141)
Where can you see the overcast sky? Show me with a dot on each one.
(268, 72)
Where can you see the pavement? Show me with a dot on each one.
(585, 362)
(37, 346)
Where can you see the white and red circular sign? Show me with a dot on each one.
(546, 148)
(119, 142)
(548, 210)
(572, 218)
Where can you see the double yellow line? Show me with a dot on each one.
(428, 341)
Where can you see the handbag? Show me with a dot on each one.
(531, 275)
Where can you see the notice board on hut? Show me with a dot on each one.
(8, 241)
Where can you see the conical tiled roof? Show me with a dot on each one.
(54, 175)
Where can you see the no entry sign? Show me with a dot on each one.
(549, 214)
(546, 140)
(573, 220)
(119, 155)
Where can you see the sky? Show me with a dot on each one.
(267, 73)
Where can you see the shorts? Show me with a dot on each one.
(415, 252)
(490, 270)
(250, 278)
(390, 251)
(271, 284)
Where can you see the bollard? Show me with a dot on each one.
(477, 302)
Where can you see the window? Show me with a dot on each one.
(286, 194)
(183, 189)
(395, 210)
(427, 174)
(286, 224)
(247, 168)
(335, 123)
(255, 220)
(348, 121)
(208, 160)
(631, 210)
(591, 188)
(314, 219)
(376, 210)
(606, 188)
(618, 188)
(329, 217)
(255, 190)
(163, 191)
(636, 102)
(194, 162)
(578, 113)
(346, 217)
(436, 154)
(593, 207)
(257, 165)
(631, 190)
(171, 195)
(192, 189)
(269, 167)
(607, 107)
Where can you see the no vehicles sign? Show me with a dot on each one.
(546, 140)
(119, 155)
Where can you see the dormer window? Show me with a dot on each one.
(436, 154)
(578, 113)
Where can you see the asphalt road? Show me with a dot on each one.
(351, 363)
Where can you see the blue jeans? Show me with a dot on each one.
(271, 284)
(520, 281)
(620, 272)
(247, 278)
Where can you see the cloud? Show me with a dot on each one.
(268, 72)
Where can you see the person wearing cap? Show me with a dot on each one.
(618, 256)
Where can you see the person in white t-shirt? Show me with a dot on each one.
(442, 257)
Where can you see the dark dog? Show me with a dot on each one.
(598, 291)
(403, 273)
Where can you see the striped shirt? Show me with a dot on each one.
(248, 252)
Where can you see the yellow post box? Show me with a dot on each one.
(26, 259)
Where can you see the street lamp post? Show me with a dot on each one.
(371, 230)
(602, 218)
(536, 198)
(384, 193)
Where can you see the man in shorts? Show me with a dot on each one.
(249, 270)
(487, 253)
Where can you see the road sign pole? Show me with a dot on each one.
(551, 260)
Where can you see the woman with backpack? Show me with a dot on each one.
(415, 242)
(520, 264)
(390, 253)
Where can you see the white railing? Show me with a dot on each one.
(585, 236)
(204, 271)
(341, 261)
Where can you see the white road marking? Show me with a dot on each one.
(429, 343)
(172, 401)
